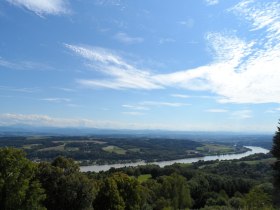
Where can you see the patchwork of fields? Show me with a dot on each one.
(101, 150)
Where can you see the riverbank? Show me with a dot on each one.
(105, 167)
(205, 150)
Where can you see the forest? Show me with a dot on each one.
(249, 183)
(106, 149)
(59, 185)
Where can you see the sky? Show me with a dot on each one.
(196, 65)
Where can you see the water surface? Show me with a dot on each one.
(106, 167)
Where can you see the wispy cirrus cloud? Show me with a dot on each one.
(45, 120)
(135, 107)
(166, 40)
(180, 95)
(23, 65)
(242, 71)
(56, 100)
(43, 7)
(163, 103)
(241, 114)
(19, 89)
(133, 113)
(273, 111)
(189, 23)
(126, 39)
(148, 105)
(216, 110)
(8, 119)
(65, 89)
(108, 2)
(7, 64)
(195, 96)
(212, 2)
(126, 75)
(122, 75)
(261, 14)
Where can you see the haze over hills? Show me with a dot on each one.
(18, 130)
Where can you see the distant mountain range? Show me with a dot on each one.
(24, 130)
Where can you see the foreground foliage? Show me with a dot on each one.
(209, 185)
(65, 186)
(276, 166)
(19, 188)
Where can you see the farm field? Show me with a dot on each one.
(103, 150)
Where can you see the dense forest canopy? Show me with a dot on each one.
(249, 183)
(59, 185)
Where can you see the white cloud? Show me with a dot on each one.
(45, 120)
(122, 75)
(236, 80)
(135, 107)
(43, 7)
(242, 70)
(180, 96)
(133, 113)
(272, 111)
(8, 119)
(162, 103)
(216, 110)
(74, 105)
(228, 48)
(241, 114)
(23, 65)
(56, 100)
(108, 2)
(212, 2)
(147, 105)
(126, 39)
(194, 96)
(7, 64)
(189, 23)
(65, 89)
(166, 40)
(262, 14)
(18, 89)
(98, 54)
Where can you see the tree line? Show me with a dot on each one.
(213, 185)
(60, 185)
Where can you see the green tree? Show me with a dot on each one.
(119, 191)
(65, 186)
(169, 192)
(129, 189)
(199, 186)
(237, 203)
(179, 193)
(256, 199)
(19, 190)
(109, 197)
(67, 165)
(276, 166)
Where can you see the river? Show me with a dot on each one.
(254, 150)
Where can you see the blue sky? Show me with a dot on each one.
(196, 65)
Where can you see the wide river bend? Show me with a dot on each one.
(254, 150)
